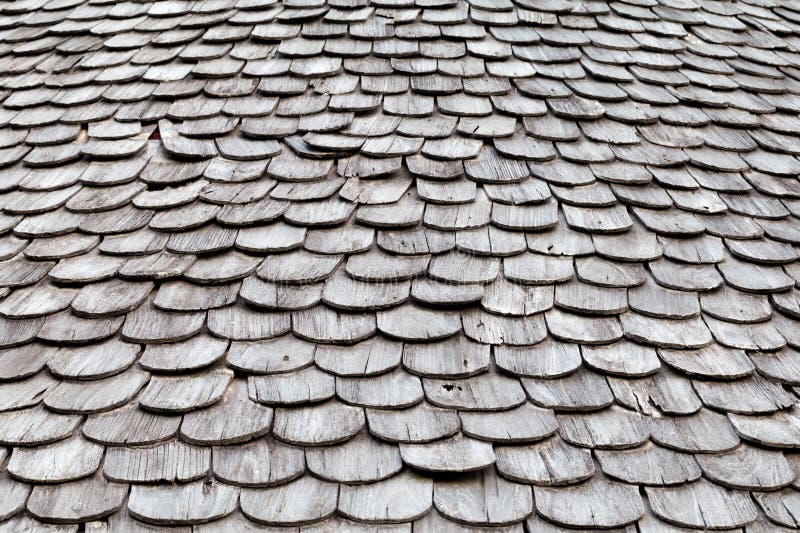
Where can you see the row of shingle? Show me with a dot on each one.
(555, 375)
(674, 322)
(371, 281)
(309, 500)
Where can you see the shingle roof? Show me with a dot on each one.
(514, 264)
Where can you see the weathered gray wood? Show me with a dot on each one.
(269, 295)
(321, 324)
(282, 354)
(326, 213)
(747, 468)
(550, 462)
(649, 464)
(222, 268)
(424, 167)
(702, 505)
(93, 361)
(162, 265)
(490, 240)
(781, 366)
(65, 460)
(595, 503)
(652, 300)
(638, 244)
(19, 272)
(666, 391)
(489, 391)
(167, 394)
(754, 278)
(611, 428)
(713, 361)
(598, 220)
(448, 130)
(25, 393)
(608, 273)
(68, 328)
(778, 507)
(170, 461)
(38, 300)
(548, 359)
(416, 241)
(150, 325)
(276, 237)
(307, 385)
(13, 496)
(375, 265)
(483, 499)
(123, 521)
(503, 297)
(56, 503)
(583, 329)
(35, 426)
(420, 423)
(23, 522)
(526, 423)
(475, 214)
(585, 298)
(60, 247)
(452, 358)
(375, 191)
(238, 322)
(97, 395)
(318, 425)
(362, 459)
(437, 293)
(787, 302)
(451, 148)
(235, 418)
(526, 217)
(207, 239)
(787, 327)
(264, 210)
(705, 431)
(343, 292)
(130, 425)
(410, 322)
(458, 191)
(536, 269)
(305, 500)
(233, 522)
(761, 336)
(582, 390)
(622, 358)
(391, 390)
(433, 521)
(750, 395)
(776, 430)
(401, 498)
(488, 328)
(24, 361)
(734, 306)
(191, 503)
(197, 352)
(261, 463)
(289, 167)
(370, 357)
(665, 333)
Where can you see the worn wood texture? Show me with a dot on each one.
(385, 266)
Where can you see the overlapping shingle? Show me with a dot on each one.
(388, 265)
